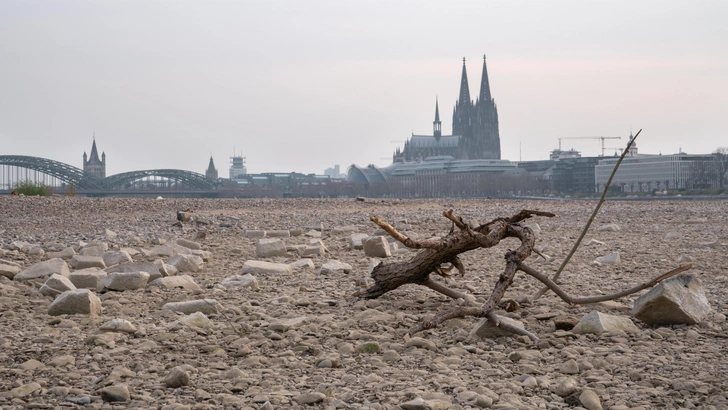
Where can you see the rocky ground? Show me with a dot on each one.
(299, 340)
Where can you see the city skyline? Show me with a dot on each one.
(298, 88)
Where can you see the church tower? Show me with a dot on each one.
(94, 167)
(485, 127)
(437, 125)
(462, 114)
(211, 172)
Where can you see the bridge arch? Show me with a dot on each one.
(64, 172)
(191, 179)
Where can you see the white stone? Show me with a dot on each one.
(611, 259)
(124, 281)
(377, 247)
(268, 248)
(485, 330)
(197, 319)
(590, 400)
(154, 271)
(334, 267)
(608, 228)
(44, 269)
(206, 306)
(66, 253)
(55, 285)
(678, 300)
(9, 269)
(302, 264)
(36, 251)
(240, 281)
(253, 266)
(186, 263)
(313, 250)
(254, 234)
(188, 244)
(598, 323)
(355, 240)
(119, 325)
(672, 235)
(280, 233)
(75, 302)
(112, 258)
(171, 282)
(594, 242)
(94, 249)
(83, 262)
(87, 278)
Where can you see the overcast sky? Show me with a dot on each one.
(303, 85)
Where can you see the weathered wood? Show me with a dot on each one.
(436, 252)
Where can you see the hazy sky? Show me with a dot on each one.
(303, 85)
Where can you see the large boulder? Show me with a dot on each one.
(678, 300)
(270, 247)
(44, 269)
(83, 262)
(9, 269)
(124, 281)
(377, 247)
(55, 285)
(253, 266)
(186, 263)
(598, 323)
(76, 302)
(87, 278)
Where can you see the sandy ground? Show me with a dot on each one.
(302, 341)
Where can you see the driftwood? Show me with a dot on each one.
(440, 256)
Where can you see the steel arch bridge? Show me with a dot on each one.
(191, 179)
(72, 175)
(66, 173)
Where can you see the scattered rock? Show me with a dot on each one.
(119, 325)
(611, 259)
(608, 228)
(310, 398)
(75, 302)
(258, 267)
(207, 306)
(335, 267)
(9, 269)
(678, 300)
(55, 285)
(121, 281)
(590, 400)
(377, 247)
(302, 264)
(186, 263)
(43, 270)
(268, 248)
(115, 257)
(240, 281)
(598, 323)
(486, 330)
(116, 393)
(177, 377)
(171, 282)
(87, 278)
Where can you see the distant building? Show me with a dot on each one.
(334, 173)
(93, 166)
(645, 173)
(237, 167)
(475, 132)
(211, 172)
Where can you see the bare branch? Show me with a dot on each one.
(456, 220)
(428, 244)
(591, 218)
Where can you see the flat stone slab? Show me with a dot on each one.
(112, 258)
(87, 278)
(377, 247)
(171, 282)
(186, 263)
(270, 247)
(678, 300)
(302, 264)
(83, 262)
(598, 323)
(253, 266)
(44, 269)
(333, 267)
(76, 302)
(153, 270)
(9, 269)
(124, 281)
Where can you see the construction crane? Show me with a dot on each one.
(589, 138)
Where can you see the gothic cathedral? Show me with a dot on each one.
(474, 128)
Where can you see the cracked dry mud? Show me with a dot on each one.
(301, 341)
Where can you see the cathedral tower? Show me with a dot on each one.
(94, 167)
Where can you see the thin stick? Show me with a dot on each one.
(408, 242)
(595, 299)
(589, 222)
